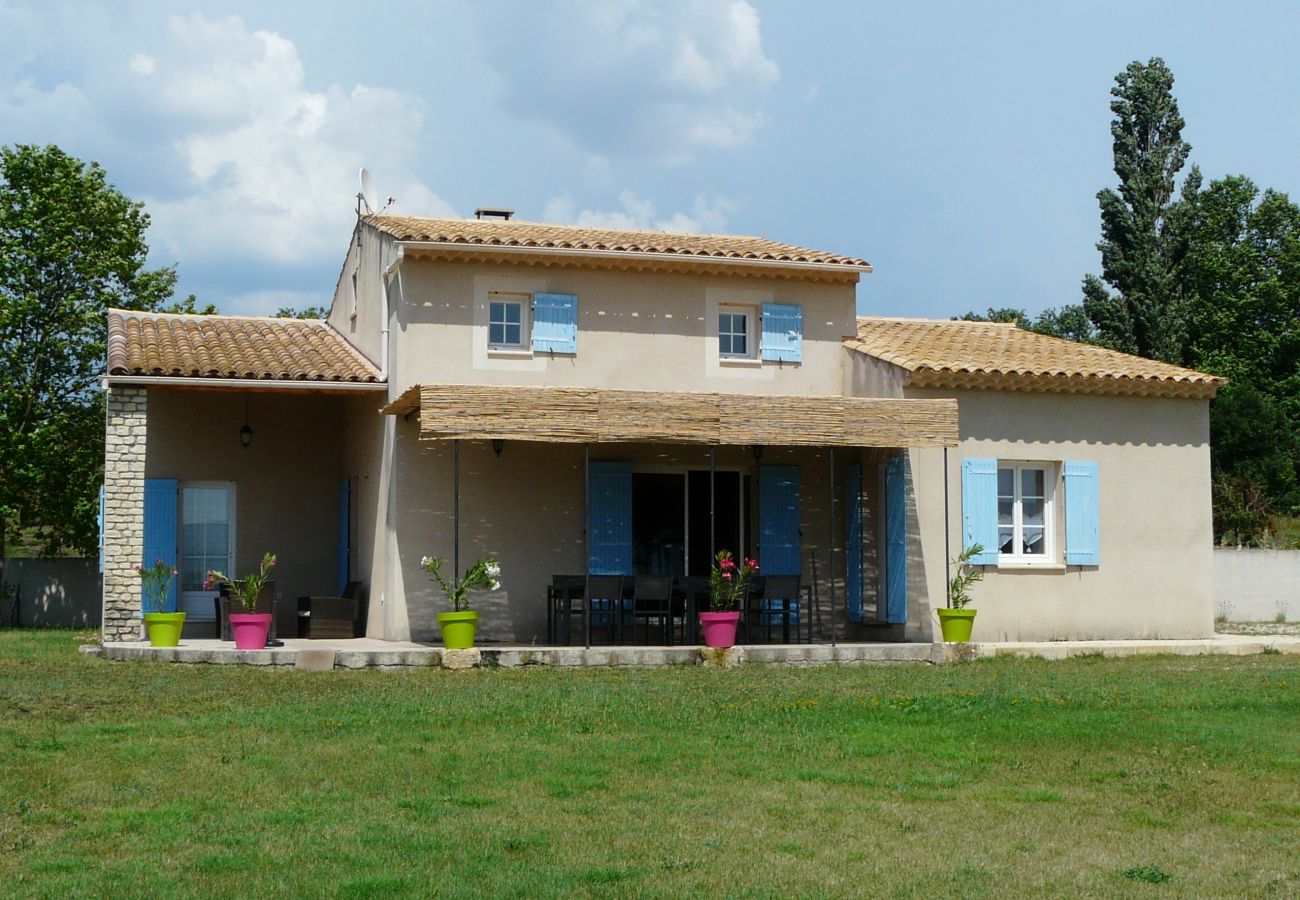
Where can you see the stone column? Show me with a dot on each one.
(124, 449)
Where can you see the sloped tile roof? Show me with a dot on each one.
(192, 346)
(513, 234)
(996, 356)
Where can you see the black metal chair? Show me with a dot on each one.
(780, 603)
(601, 599)
(560, 606)
(652, 598)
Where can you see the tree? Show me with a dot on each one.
(1243, 278)
(71, 246)
(1070, 322)
(307, 312)
(1143, 244)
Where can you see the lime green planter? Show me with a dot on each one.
(458, 629)
(956, 624)
(164, 628)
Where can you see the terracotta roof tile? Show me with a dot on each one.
(498, 233)
(996, 356)
(192, 346)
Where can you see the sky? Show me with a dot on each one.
(957, 146)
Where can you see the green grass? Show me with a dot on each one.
(1092, 777)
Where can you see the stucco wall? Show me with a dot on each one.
(644, 331)
(1154, 580)
(1256, 585)
(286, 484)
(359, 290)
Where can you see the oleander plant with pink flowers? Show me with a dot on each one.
(729, 580)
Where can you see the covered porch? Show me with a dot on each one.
(561, 484)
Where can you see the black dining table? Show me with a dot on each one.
(690, 598)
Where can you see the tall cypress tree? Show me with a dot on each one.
(1143, 241)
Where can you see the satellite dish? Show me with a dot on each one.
(367, 197)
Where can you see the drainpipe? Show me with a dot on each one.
(393, 269)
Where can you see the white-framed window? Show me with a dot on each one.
(736, 337)
(207, 541)
(508, 326)
(1025, 513)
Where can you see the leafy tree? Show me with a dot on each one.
(190, 306)
(1142, 242)
(307, 312)
(1070, 322)
(1243, 275)
(71, 246)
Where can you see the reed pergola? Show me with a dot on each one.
(580, 415)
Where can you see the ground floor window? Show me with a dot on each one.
(1025, 512)
(207, 541)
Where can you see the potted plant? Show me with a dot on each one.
(164, 627)
(459, 626)
(956, 621)
(728, 581)
(249, 627)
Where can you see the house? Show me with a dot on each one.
(577, 400)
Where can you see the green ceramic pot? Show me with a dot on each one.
(164, 628)
(956, 624)
(458, 629)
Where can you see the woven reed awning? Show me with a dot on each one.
(593, 415)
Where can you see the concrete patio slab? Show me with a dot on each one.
(370, 653)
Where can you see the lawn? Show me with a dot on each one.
(1093, 777)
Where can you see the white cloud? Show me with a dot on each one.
(143, 63)
(639, 213)
(272, 165)
(634, 78)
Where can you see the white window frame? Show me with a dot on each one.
(750, 315)
(1050, 472)
(198, 604)
(525, 304)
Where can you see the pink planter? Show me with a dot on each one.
(250, 630)
(719, 628)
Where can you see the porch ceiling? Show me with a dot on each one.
(594, 415)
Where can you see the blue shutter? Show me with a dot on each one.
(345, 532)
(979, 509)
(555, 323)
(853, 540)
(778, 520)
(160, 528)
(782, 332)
(896, 540)
(609, 518)
(1082, 518)
(101, 529)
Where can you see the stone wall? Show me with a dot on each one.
(124, 455)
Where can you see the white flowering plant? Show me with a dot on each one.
(484, 575)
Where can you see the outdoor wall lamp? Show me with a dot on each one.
(757, 450)
(245, 433)
(498, 444)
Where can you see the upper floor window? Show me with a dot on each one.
(507, 317)
(736, 332)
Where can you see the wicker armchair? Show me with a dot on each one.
(331, 617)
